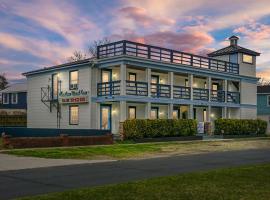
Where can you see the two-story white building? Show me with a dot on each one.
(131, 80)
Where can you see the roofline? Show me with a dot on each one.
(61, 66)
(254, 53)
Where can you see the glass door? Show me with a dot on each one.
(105, 117)
(106, 76)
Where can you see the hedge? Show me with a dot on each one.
(13, 120)
(240, 127)
(146, 128)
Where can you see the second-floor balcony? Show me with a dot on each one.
(138, 88)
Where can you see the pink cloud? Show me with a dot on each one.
(142, 18)
(193, 42)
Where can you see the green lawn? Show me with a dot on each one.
(124, 151)
(245, 183)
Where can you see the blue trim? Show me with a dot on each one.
(108, 62)
(163, 101)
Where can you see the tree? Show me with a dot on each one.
(92, 48)
(77, 55)
(3, 81)
(263, 82)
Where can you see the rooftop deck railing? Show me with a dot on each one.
(166, 55)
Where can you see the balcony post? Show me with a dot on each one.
(123, 111)
(147, 110)
(224, 112)
(148, 80)
(170, 111)
(225, 89)
(208, 114)
(123, 71)
(190, 112)
(209, 79)
(171, 77)
(190, 81)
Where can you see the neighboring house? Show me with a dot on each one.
(14, 99)
(263, 104)
(130, 80)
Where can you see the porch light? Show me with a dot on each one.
(161, 81)
(114, 111)
(212, 115)
(195, 85)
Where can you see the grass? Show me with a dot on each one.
(124, 151)
(245, 183)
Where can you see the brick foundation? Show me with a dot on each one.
(63, 140)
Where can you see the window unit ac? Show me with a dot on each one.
(73, 86)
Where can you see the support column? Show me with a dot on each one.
(147, 110)
(123, 74)
(190, 112)
(123, 111)
(148, 80)
(190, 81)
(208, 114)
(171, 77)
(224, 112)
(209, 79)
(170, 111)
(225, 89)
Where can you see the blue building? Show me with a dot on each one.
(263, 104)
(13, 99)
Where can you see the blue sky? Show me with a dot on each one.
(36, 34)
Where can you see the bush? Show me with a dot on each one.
(146, 128)
(240, 127)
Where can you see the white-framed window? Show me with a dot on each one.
(14, 98)
(74, 115)
(268, 100)
(154, 113)
(5, 97)
(247, 59)
(73, 80)
(132, 112)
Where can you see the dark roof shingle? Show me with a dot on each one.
(233, 49)
(263, 89)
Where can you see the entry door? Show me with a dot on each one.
(154, 88)
(105, 117)
(106, 76)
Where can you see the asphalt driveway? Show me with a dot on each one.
(28, 182)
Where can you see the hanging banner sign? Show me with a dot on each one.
(71, 97)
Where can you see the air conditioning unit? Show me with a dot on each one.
(73, 86)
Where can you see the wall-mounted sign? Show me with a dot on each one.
(78, 96)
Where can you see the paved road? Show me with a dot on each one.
(10, 162)
(44, 180)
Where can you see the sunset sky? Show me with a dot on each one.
(35, 34)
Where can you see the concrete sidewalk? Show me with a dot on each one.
(11, 162)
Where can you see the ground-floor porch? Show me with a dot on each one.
(112, 113)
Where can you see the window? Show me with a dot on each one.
(106, 75)
(73, 80)
(5, 98)
(154, 113)
(132, 77)
(14, 98)
(247, 59)
(73, 115)
(186, 83)
(132, 112)
(268, 100)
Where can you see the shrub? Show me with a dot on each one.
(240, 127)
(146, 128)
